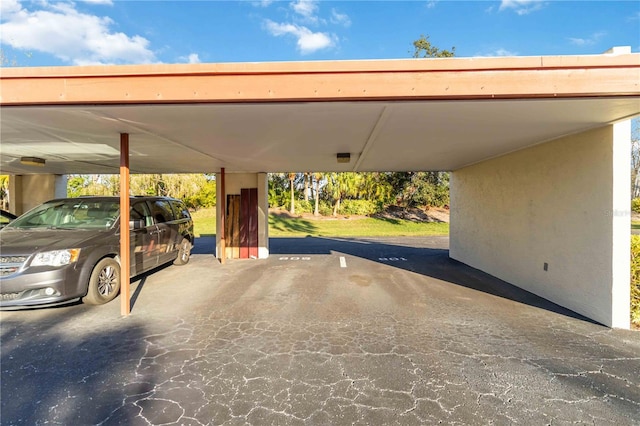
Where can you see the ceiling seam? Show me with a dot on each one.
(382, 119)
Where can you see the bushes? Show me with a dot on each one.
(358, 207)
(635, 205)
(635, 279)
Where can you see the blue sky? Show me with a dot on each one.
(52, 33)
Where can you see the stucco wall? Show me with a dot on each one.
(29, 191)
(562, 204)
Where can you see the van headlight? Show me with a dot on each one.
(56, 257)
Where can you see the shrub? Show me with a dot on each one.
(325, 209)
(635, 279)
(635, 205)
(358, 207)
(301, 206)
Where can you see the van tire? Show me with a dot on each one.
(184, 252)
(104, 282)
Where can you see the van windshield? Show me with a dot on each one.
(70, 214)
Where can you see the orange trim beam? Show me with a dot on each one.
(416, 79)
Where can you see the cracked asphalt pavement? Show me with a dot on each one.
(325, 332)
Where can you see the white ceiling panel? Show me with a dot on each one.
(282, 137)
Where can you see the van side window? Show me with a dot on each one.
(161, 211)
(140, 211)
(180, 209)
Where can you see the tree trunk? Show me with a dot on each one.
(292, 209)
(336, 207)
(306, 186)
(316, 211)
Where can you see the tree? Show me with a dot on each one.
(342, 185)
(292, 208)
(316, 196)
(424, 49)
(4, 192)
(422, 188)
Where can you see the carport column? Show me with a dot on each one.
(553, 219)
(125, 262)
(233, 184)
(222, 207)
(29, 191)
(263, 215)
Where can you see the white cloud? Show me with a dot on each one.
(262, 3)
(522, 7)
(193, 58)
(431, 4)
(307, 41)
(591, 40)
(9, 7)
(74, 37)
(499, 52)
(340, 18)
(306, 8)
(105, 2)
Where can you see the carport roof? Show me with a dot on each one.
(390, 115)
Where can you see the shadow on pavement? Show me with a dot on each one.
(428, 261)
(50, 369)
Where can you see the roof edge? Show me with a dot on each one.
(348, 66)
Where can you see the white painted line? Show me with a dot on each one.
(343, 262)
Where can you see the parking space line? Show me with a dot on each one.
(343, 262)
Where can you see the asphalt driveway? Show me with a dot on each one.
(326, 331)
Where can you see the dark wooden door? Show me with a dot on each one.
(249, 223)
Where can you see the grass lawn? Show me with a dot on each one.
(279, 226)
(635, 225)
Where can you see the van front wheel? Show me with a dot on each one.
(104, 283)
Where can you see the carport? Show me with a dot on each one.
(538, 147)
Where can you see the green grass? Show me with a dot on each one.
(635, 225)
(204, 222)
(279, 226)
(366, 227)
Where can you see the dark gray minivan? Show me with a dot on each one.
(69, 248)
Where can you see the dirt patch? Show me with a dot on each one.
(431, 214)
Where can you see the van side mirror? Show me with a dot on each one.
(136, 224)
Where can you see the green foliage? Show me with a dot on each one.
(78, 185)
(205, 197)
(4, 192)
(198, 190)
(302, 206)
(420, 189)
(635, 279)
(424, 49)
(358, 207)
(635, 205)
(279, 193)
(324, 209)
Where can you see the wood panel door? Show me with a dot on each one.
(232, 223)
(249, 223)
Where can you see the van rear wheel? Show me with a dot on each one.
(184, 252)
(104, 283)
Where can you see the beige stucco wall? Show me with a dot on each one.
(562, 203)
(234, 182)
(29, 191)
